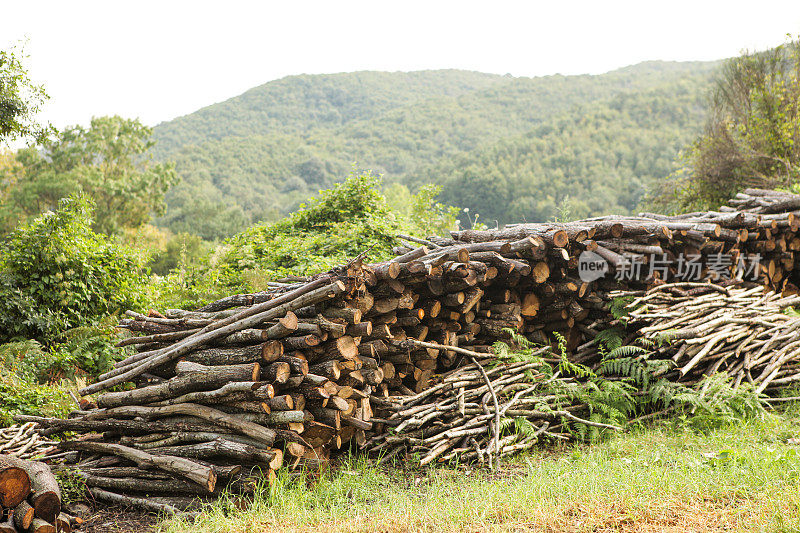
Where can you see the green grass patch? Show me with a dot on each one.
(739, 478)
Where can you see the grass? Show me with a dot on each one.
(665, 478)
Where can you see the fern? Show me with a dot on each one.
(609, 339)
(524, 427)
(523, 351)
(720, 403)
(626, 351)
(618, 307)
(664, 338)
(566, 366)
(506, 424)
(791, 311)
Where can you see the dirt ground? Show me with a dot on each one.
(118, 519)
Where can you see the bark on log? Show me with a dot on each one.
(200, 474)
(203, 412)
(131, 501)
(222, 447)
(23, 516)
(308, 294)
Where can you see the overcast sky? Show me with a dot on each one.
(160, 59)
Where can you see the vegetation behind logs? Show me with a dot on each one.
(508, 148)
(752, 135)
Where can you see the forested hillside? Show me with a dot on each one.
(507, 148)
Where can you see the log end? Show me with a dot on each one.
(46, 505)
(15, 485)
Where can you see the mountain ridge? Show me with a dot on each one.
(258, 155)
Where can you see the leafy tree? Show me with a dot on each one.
(57, 274)
(180, 250)
(108, 161)
(201, 215)
(20, 100)
(752, 137)
(421, 210)
(345, 221)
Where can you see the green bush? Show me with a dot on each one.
(57, 274)
(181, 250)
(24, 366)
(347, 220)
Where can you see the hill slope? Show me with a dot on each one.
(508, 148)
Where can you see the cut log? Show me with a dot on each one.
(23, 516)
(15, 485)
(41, 526)
(46, 496)
(214, 416)
(191, 470)
(222, 447)
(190, 381)
(132, 501)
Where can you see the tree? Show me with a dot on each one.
(20, 100)
(109, 161)
(752, 136)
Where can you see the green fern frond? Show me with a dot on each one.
(609, 339)
(626, 351)
(524, 427)
(618, 306)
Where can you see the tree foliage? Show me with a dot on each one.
(57, 274)
(108, 161)
(343, 222)
(752, 137)
(20, 100)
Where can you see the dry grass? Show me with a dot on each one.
(659, 480)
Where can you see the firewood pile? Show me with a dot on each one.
(466, 413)
(707, 329)
(689, 330)
(30, 499)
(307, 367)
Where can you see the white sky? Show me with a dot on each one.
(158, 60)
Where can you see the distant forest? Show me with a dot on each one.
(505, 148)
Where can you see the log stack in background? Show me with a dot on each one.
(292, 373)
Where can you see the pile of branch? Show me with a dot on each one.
(312, 365)
(23, 441)
(30, 499)
(763, 201)
(491, 407)
(743, 332)
(465, 413)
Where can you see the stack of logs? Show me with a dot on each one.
(686, 332)
(30, 499)
(307, 367)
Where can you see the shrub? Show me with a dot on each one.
(345, 221)
(57, 274)
(23, 364)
